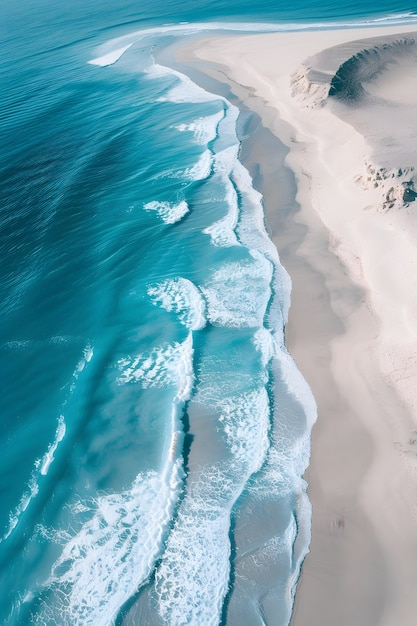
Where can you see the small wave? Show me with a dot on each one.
(113, 553)
(41, 469)
(266, 344)
(225, 160)
(110, 57)
(18, 344)
(245, 421)
(289, 452)
(394, 18)
(169, 213)
(222, 232)
(43, 464)
(49, 455)
(184, 89)
(204, 129)
(184, 298)
(251, 229)
(252, 234)
(297, 385)
(238, 293)
(164, 366)
(193, 577)
(112, 50)
(25, 500)
(200, 170)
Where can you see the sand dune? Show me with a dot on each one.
(344, 102)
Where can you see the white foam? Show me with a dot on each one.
(201, 169)
(251, 229)
(265, 343)
(246, 421)
(86, 358)
(279, 544)
(184, 89)
(110, 57)
(88, 353)
(114, 47)
(48, 457)
(288, 455)
(252, 233)
(297, 385)
(285, 463)
(238, 293)
(394, 19)
(203, 128)
(225, 160)
(184, 298)
(25, 500)
(227, 137)
(18, 344)
(164, 366)
(169, 212)
(43, 464)
(192, 580)
(113, 553)
(222, 232)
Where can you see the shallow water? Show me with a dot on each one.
(155, 429)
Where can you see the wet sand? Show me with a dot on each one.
(352, 325)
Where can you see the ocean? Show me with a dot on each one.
(154, 429)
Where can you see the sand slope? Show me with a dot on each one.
(348, 98)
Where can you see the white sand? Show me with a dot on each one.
(356, 340)
(398, 83)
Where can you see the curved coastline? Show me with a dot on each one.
(293, 412)
(352, 331)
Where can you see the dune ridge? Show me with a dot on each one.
(344, 102)
(341, 73)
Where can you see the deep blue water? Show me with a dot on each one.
(154, 430)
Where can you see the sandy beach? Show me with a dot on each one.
(344, 102)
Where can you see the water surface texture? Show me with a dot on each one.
(154, 428)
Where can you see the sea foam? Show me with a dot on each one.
(237, 294)
(192, 579)
(201, 169)
(110, 57)
(169, 212)
(119, 543)
(163, 366)
(245, 421)
(184, 298)
(111, 51)
(42, 465)
(250, 293)
(204, 129)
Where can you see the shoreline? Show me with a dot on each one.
(363, 552)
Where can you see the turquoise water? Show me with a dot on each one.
(154, 428)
